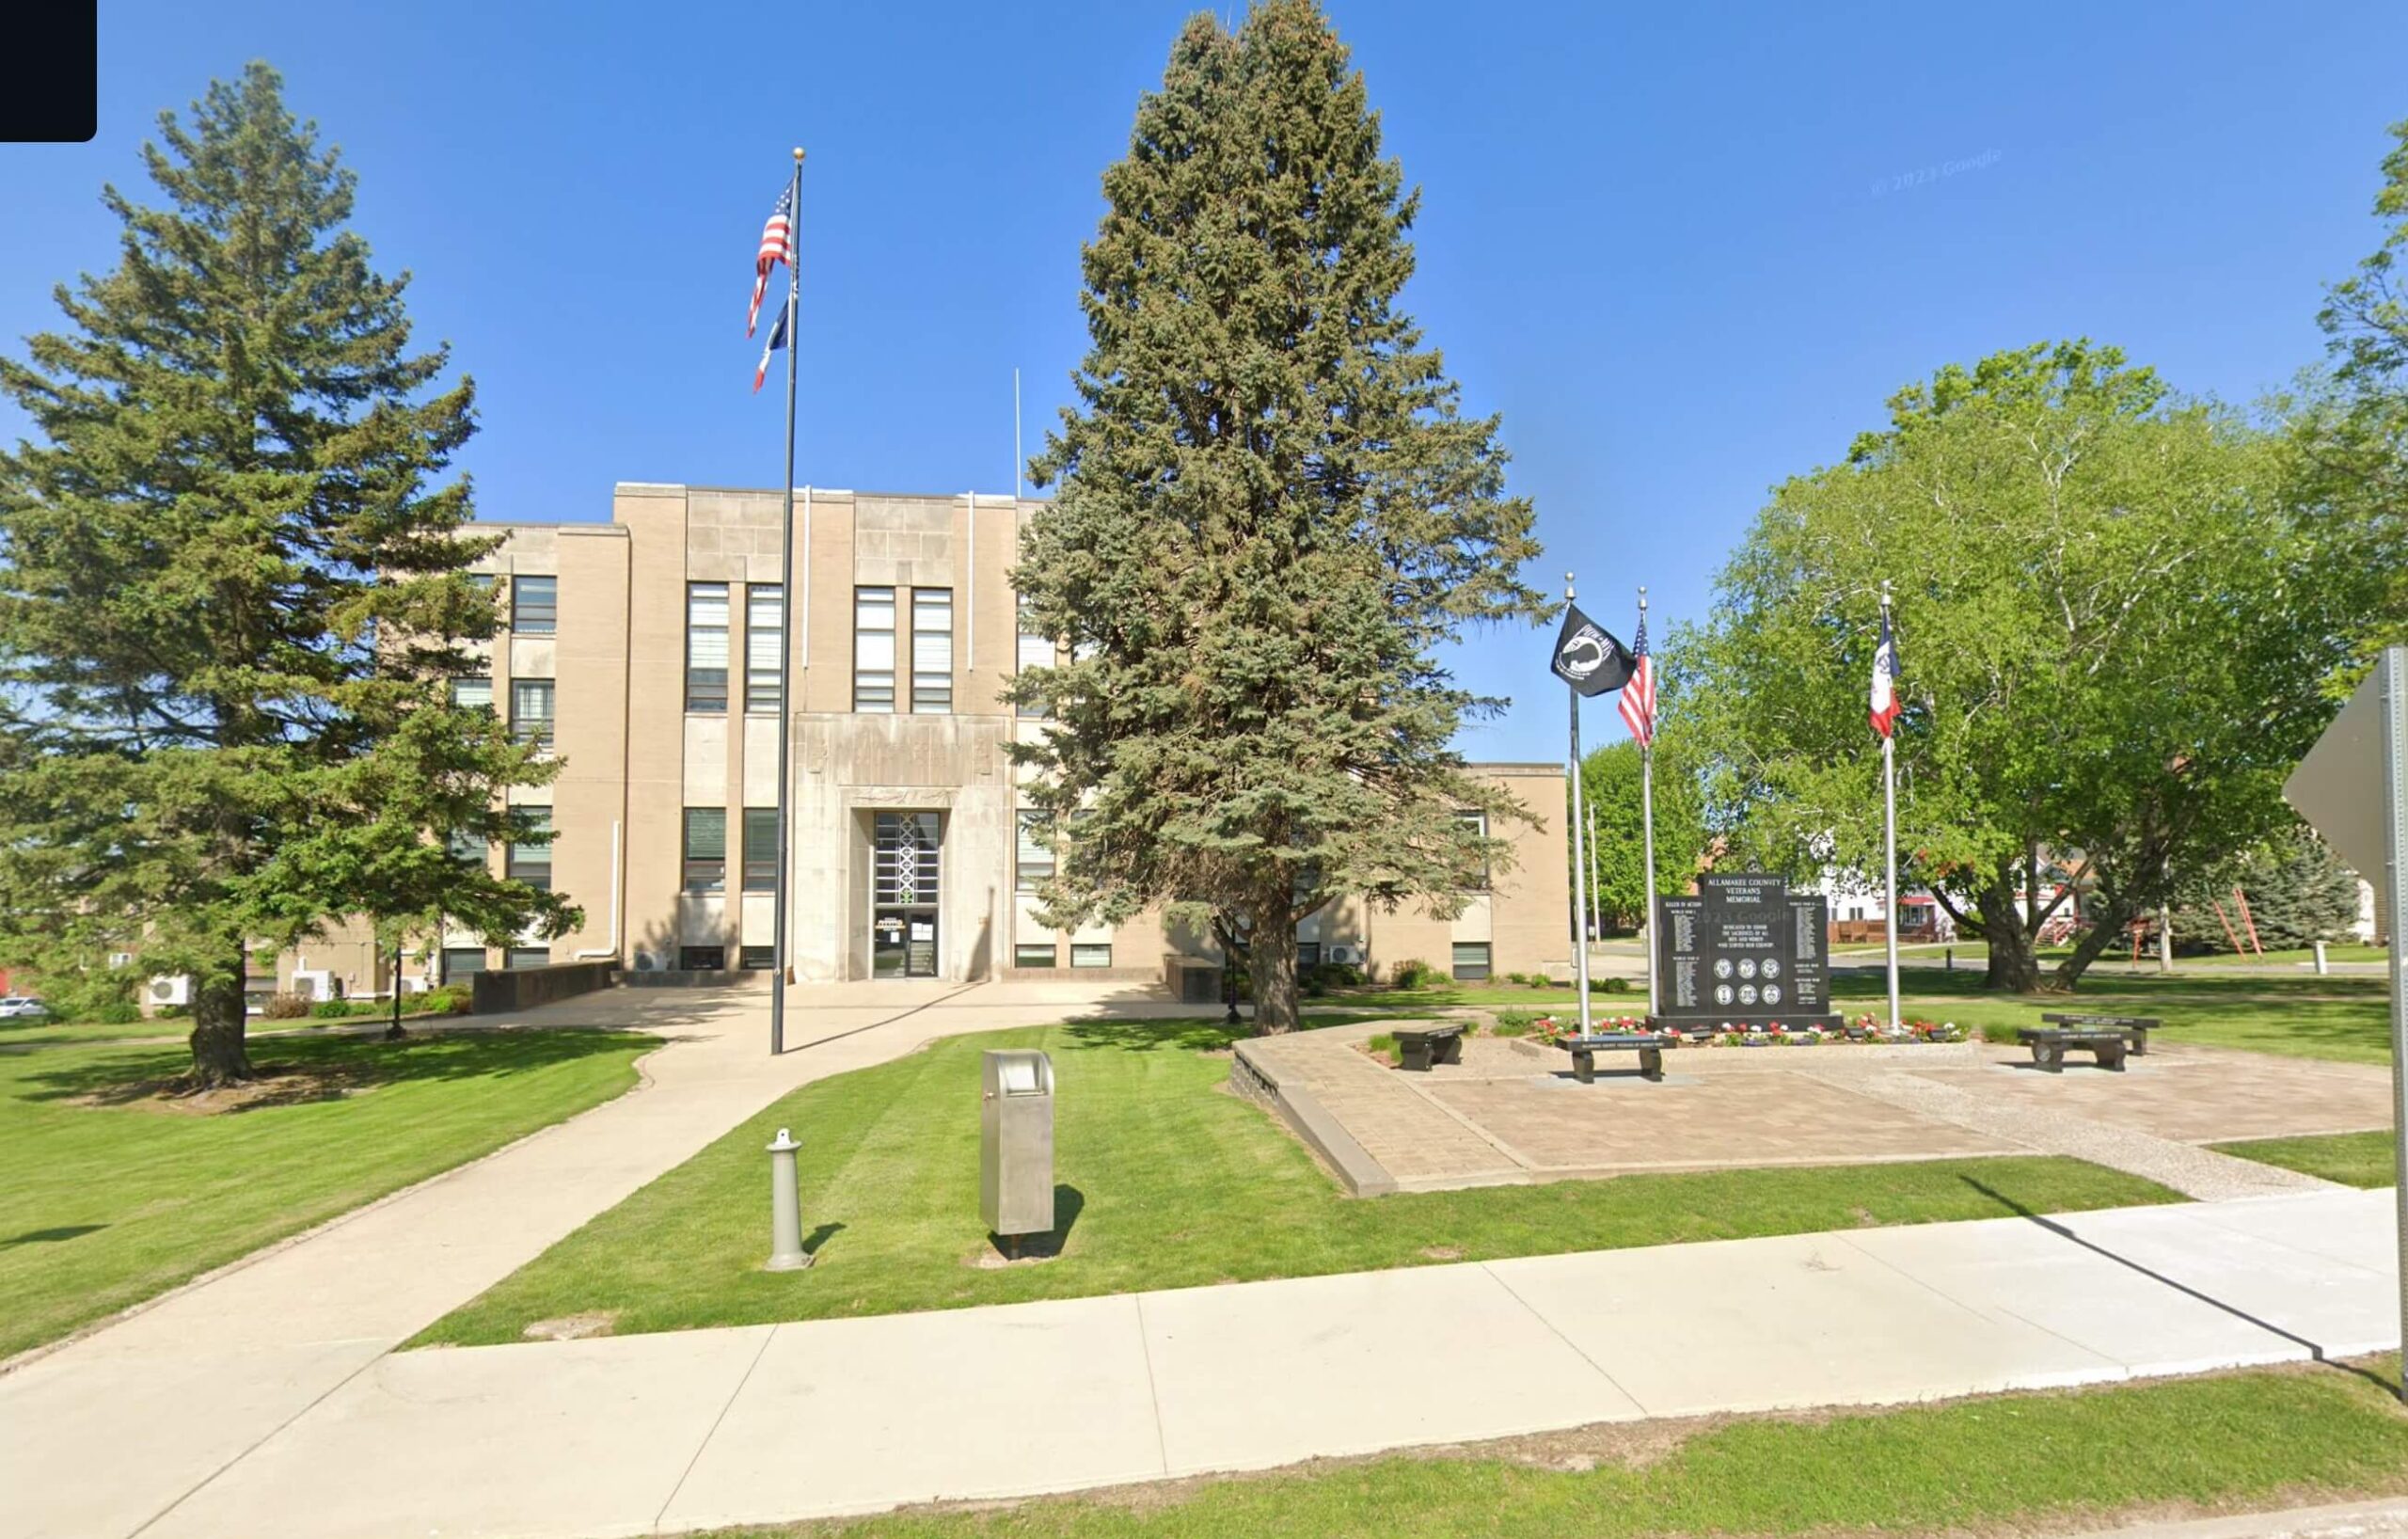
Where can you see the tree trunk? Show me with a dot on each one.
(2106, 927)
(393, 1032)
(219, 1054)
(2013, 968)
(1271, 963)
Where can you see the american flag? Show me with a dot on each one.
(1882, 704)
(1639, 695)
(777, 246)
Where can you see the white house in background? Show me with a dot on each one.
(1859, 913)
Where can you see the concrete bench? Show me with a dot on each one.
(2106, 1044)
(1419, 1048)
(1649, 1045)
(2139, 1026)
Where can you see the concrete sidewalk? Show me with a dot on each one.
(101, 1435)
(657, 1434)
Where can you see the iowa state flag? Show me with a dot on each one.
(1884, 700)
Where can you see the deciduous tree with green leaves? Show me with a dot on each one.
(1269, 515)
(1610, 782)
(2354, 434)
(229, 595)
(2113, 621)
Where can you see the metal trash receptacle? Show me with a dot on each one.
(1016, 1143)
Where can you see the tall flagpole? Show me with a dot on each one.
(1889, 830)
(1580, 850)
(1647, 824)
(785, 612)
(1596, 878)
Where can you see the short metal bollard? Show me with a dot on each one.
(1016, 1143)
(2323, 967)
(785, 1208)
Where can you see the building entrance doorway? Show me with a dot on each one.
(905, 872)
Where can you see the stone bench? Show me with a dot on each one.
(1422, 1046)
(2137, 1026)
(2106, 1044)
(1649, 1045)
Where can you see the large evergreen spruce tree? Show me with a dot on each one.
(230, 596)
(1269, 515)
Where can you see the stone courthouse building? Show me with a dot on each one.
(645, 652)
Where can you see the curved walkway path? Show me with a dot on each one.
(104, 1435)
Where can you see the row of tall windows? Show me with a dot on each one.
(531, 702)
(708, 653)
(706, 849)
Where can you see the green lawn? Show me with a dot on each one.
(1166, 1180)
(2246, 1441)
(104, 1205)
(2332, 1017)
(2353, 1159)
(2343, 1018)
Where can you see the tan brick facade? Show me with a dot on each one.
(635, 759)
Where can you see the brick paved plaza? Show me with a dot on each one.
(1510, 1112)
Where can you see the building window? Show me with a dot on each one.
(1478, 823)
(526, 956)
(757, 959)
(705, 849)
(1036, 863)
(707, 646)
(1025, 954)
(1036, 651)
(1308, 954)
(535, 605)
(467, 846)
(1087, 954)
(528, 858)
(472, 694)
(1471, 962)
(760, 849)
(460, 962)
(530, 711)
(702, 959)
(932, 651)
(765, 645)
(873, 650)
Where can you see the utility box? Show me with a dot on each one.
(1016, 1143)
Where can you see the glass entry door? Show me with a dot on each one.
(905, 868)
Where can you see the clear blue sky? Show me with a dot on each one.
(1664, 242)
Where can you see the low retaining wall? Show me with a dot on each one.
(690, 977)
(514, 989)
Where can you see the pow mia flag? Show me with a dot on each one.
(1587, 657)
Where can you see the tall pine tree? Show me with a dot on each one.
(1270, 516)
(230, 596)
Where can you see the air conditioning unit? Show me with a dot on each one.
(646, 962)
(174, 991)
(314, 985)
(1347, 955)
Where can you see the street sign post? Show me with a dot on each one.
(2353, 787)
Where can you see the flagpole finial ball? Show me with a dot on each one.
(797, 155)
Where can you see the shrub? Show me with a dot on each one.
(1515, 1023)
(286, 1007)
(1383, 1046)
(1411, 973)
(119, 1012)
(330, 1010)
(1340, 975)
(452, 999)
(1609, 986)
(175, 1012)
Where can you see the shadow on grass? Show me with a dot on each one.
(1145, 1035)
(2315, 1350)
(296, 1069)
(1068, 1203)
(49, 1236)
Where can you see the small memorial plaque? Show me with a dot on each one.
(1743, 950)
